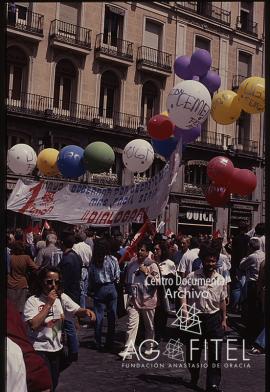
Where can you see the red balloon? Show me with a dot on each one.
(243, 182)
(160, 127)
(217, 196)
(220, 170)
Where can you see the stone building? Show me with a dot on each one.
(82, 72)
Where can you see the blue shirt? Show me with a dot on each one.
(109, 272)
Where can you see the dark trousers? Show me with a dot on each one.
(211, 329)
(160, 322)
(105, 297)
(253, 314)
(52, 360)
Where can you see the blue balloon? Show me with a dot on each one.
(70, 161)
(165, 147)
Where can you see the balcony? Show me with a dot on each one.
(153, 60)
(193, 189)
(74, 113)
(245, 146)
(24, 23)
(68, 36)
(111, 48)
(246, 25)
(218, 140)
(206, 9)
(237, 80)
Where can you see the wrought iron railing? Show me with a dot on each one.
(219, 140)
(245, 145)
(154, 58)
(207, 9)
(247, 25)
(237, 80)
(47, 107)
(71, 34)
(193, 189)
(22, 19)
(114, 46)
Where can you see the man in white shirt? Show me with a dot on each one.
(185, 264)
(16, 373)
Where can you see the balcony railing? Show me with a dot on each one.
(193, 189)
(219, 140)
(245, 145)
(237, 80)
(70, 34)
(46, 107)
(207, 9)
(114, 46)
(247, 25)
(22, 19)
(154, 58)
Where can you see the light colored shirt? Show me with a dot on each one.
(251, 264)
(48, 336)
(185, 264)
(203, 292)
(84, 250)
(109, 272)
(167, 267)
(16, 372)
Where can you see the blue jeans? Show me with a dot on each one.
(105, 297)
(72, 339)
(84, 287)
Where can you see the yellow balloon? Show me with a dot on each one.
(225, 108)
(46, 162)
(165, 113)
(251, 95)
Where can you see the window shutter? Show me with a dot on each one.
(244, 64)
(69, 13)
(152, 35)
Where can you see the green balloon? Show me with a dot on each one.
(98, 157)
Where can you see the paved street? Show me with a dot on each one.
(98, 371)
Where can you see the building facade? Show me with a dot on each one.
(82, 72)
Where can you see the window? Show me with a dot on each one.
(64, 85)
(113, 25)
(246, 15)
(196, 175)
(244, 130)
(109, 98)
(16, 74)
(69, 13)
(204, 8)
(202, 43)
(244, 64)
(153, 35)
(149, 102)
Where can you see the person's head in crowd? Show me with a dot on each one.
(51, 239)
(254, 244)
(89, 232)
(66, 232)
(80, 236)
(184, 244)
(19, 235)
(40, 245)
(217, 244)
(68, 241)
(9, 239)
(17, 248)
(115, 245)
(101, 249)
(243, 226)
(260, 229)
(209, 257)
(143, 249)
(194, 243)
(161, 252)
(47, 279)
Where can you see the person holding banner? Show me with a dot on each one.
(142, 280)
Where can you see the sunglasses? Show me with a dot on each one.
(51, 281)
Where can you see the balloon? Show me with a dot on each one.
(188, 135)
(46, 162)
(211, 80)
(70, 161)
(243, 182)
(251, 95)
(200, 62)
(220, 170)
(182, 68)
(138, 155)
(217, 196)
(160, 127)
(98, 157)
(21, 159)
(225, 107)
(166, 147)
(188, 104)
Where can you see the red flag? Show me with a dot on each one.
(217, 234)
(46, 225)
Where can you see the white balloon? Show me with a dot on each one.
(21, 159)
(188, 104)
(138, 155)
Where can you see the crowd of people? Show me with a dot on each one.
(54, 280)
